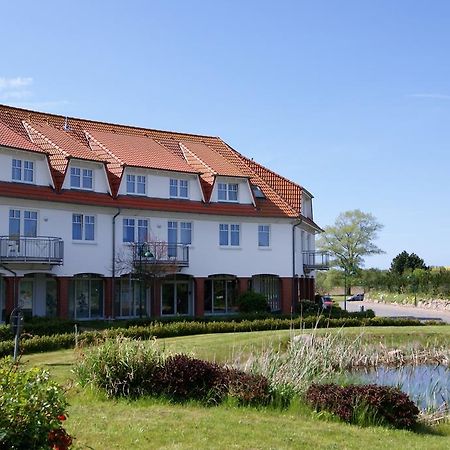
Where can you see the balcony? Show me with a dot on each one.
(31, 250)
(315, 260)
(161, 254)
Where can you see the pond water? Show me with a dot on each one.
(427, 385)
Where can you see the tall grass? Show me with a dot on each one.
(324, 357)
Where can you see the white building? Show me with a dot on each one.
(87, 206)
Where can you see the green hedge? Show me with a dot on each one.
(40, 326)
(163, 330)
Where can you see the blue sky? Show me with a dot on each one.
(351, 99)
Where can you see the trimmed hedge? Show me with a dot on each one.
(41, 326)
(185, 328)
(356, 403)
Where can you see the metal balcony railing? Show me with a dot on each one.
(40, 250)
(161, 253)
(315, 260)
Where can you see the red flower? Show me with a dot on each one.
(61, 417)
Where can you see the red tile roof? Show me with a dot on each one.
(120, 145)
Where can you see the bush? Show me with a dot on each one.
(252, 302)
(122, 367)
(308, 308)
(32, 409)
(248, 389)
(380, 404)
(187, 378)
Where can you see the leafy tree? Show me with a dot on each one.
(349, 240)
(404, 261)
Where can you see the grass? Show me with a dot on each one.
(98, 423)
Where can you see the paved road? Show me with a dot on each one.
(389, 310)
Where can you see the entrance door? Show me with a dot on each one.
(176, 297)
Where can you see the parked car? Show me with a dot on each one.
(327, 302)
(356, 298)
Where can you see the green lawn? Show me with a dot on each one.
(98, 423)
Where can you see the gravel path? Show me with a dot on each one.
(391, 310)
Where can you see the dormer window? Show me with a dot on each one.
(227, 192)
(178, 188)
(136, 184)
(81, 178)
(22, 170)
(257, 192)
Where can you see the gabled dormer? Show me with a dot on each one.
(232, 190)
(89, 176)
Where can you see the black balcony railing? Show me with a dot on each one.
(40, 250)
(315, 260)
(161, 253)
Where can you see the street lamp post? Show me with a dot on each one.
(143, 251)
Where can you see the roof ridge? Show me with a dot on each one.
(42, 136)
(79, 119)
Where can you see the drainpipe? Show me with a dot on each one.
(293, 263)
(113, 281)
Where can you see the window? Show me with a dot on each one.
(263, 235)
(86, 297)
(135, 230)
(22, 170)
(22, 224)
(83, 227)
(136, 184)
(227, 192)
(269, 286)
(81, 178)
(175, 235)
(220, 294)
(229, 234)
(178, 188)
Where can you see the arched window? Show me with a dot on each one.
(269, 286)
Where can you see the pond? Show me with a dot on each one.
(427, 385)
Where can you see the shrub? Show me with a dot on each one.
(32, 409)
(380, 403)
(308, 308)
(187, 378)
(122, 367)
(247, 389)
(252, 302)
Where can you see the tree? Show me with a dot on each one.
(404, 261)
(349, 240)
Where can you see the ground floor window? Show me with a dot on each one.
(176, 296)
(86, 298)
(131, 298)
(26, 295)
(269, 286)
(220, 294)
(50, 298)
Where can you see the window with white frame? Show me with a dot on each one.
(23, 223)
(135, 230)
(178, 188)
(81, 178)
(263, 235)
(83, 227)
(227, 192)
(22, 170)
(229, 234)
(136, 184)
(178, 232)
